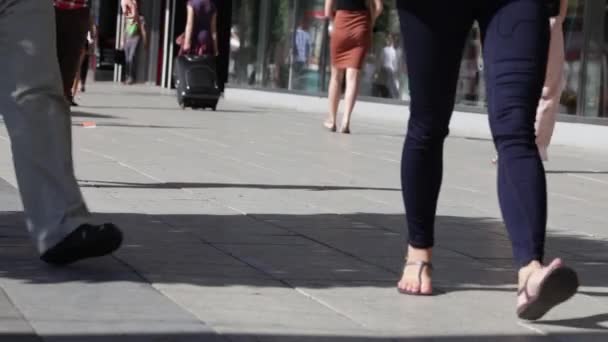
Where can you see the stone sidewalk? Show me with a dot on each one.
(252, 223)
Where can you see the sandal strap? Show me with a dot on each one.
(524, 289)
(422, 265)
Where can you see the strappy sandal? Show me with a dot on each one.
(421, 265)
(558, 285)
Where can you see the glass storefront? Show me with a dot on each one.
(594, 69)
(110, 22)
(283, 44)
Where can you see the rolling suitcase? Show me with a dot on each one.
(196, 82)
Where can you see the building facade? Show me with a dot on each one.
(264, 53)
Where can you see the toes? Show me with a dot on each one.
(409, 287)
(413, 288)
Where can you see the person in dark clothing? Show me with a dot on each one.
(81, 75)
(72, 25)
(515, 44)
(224, 25)
(201, 28)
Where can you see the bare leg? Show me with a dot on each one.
(76, 84)
(335, 86)
(546, 114)
(352, 90)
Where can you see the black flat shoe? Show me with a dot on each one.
(87, 241)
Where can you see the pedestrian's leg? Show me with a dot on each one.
(38, 121)
(76, 82)
(133, 60)
(350, 97)
(335, 86)
(548, 106)
(130, 55)
(72, 26)
(127, 71)
(516, 37)
(434, 33)
(392, 85)
(84, 72)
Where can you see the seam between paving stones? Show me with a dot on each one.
(18, 311)
(250, 264)
(260, 268)
(146, 280)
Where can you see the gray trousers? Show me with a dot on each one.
(37, 117)
(131, 56)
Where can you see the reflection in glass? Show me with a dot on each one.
(245, 18)
(283, 44)
(471, 89)
(595, 64)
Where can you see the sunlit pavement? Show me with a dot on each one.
(253, 223)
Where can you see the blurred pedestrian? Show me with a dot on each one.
(135, 31)
(82, 72)
(516, 43)
(72, 23)
(224, 38)
(32, 101)
(388, 69)
(302, 51)
(200, 34)
(353, 21)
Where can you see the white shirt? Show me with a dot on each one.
(389, 58)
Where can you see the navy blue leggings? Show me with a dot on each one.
(515, 36)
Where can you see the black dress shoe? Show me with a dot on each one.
(87, 241)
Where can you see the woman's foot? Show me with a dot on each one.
(541, 288)
(416, 279)
(345, 129)
(330, 125)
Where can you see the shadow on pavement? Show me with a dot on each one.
(578, 172)
(185, 185)
(300, 251)
(591, 322)
(137, 126)
(79, 114)
(134, 107)
(173, 108)
(188, 337)
(320, 250)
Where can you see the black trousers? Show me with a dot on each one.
(515, 36)
(224, 23)
(72, 27)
